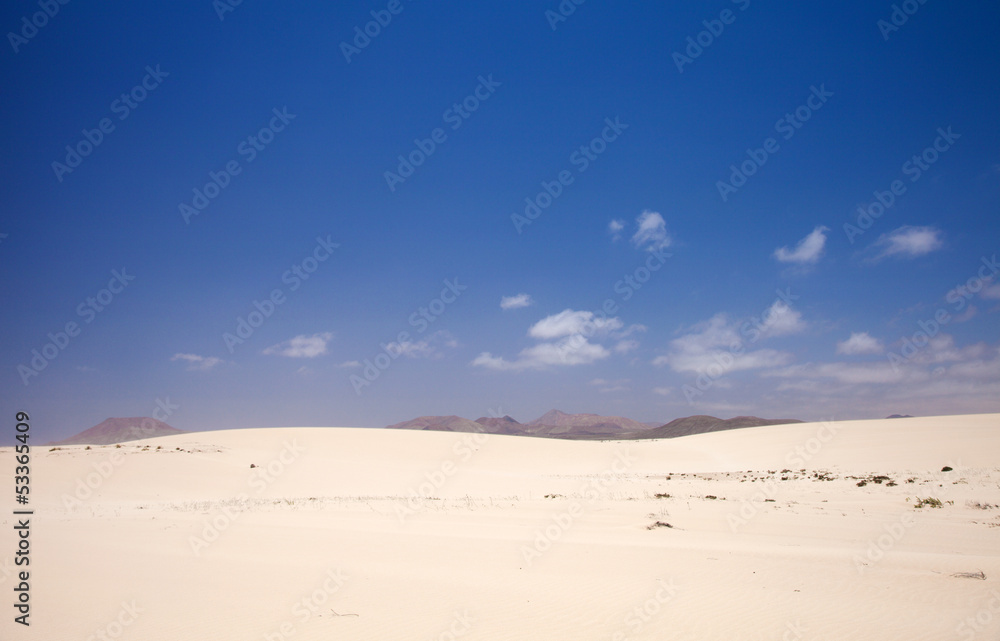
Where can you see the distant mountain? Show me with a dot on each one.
(556, 424)
(701, 423)
(556, 418)
(439, 424)
(553, 424)
(899, 416)
(504, 425)
(120, 430)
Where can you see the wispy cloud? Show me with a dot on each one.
(430, 347)
(196, 362)
(807, 251)
(562, 353)
(860, 343)
(722, 342)
(652, 233)
(516, 302)
(301, 346)
(606, 387)
(908, 242)
(615, 228)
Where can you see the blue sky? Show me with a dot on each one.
(256, 167)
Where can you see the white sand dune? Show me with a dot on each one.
(347, 533)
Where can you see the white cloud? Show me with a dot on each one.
(427, 348)
(569, 322)
(908, 369)
(196, 362)
(850, 373)
(780, 319)
(860, 343)
(615, 228)
(990, 291)
(566, 340)
(573, 350)
(516, 302)
(301, 346)
(808, 250)
(716, 342)
(413, 349)
(909, 242)
(626, 346)
(663, 391)
(350, 364)
(620, 385)
(652, 232)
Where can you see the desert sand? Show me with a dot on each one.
(804, 531)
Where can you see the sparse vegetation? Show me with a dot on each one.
(946, 468)
(661, 496)
(657, 524)
(970, 575)
(929, 502)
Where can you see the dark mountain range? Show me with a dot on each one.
(556, 424)
(120, 430)
(701, 423)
